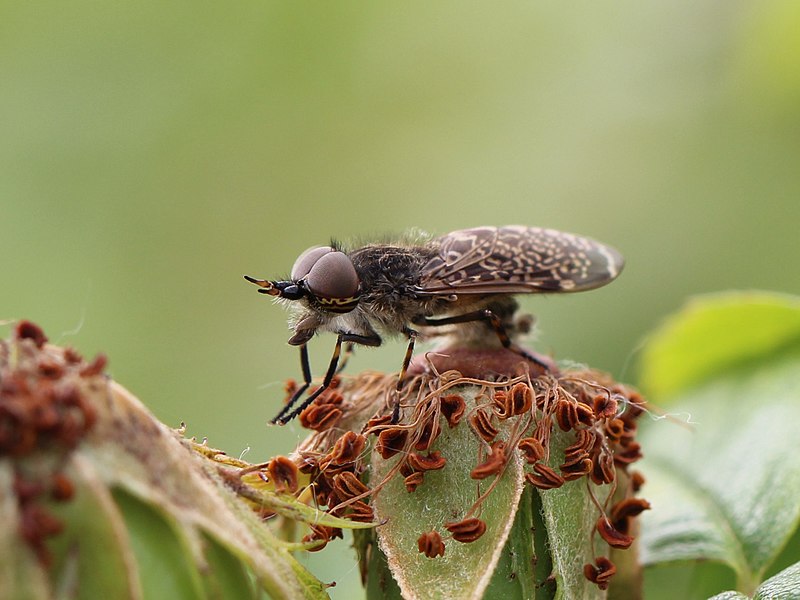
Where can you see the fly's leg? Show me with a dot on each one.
(351, 338)
(349, 350)
(488, 317)
(412, 338)
(282, 417)
(306, 367)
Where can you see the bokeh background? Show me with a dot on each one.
(151, 153)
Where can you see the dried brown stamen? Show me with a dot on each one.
(600, 573)
(346, 485)
(566, 414)
(605, 406)
(429, 433)
(452, 407)
(432, 462)
(283, 474)
(626, 509)
(31, 331)
(544, 477)
(481, 422)
(467, 530)
(516, 401)
(320, 417)
(532, 448)
(493, 464)
(613, 537)
(391, 441)
(414, 480)
(430, 544)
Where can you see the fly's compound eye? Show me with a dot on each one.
(307, 260)
(331, 278)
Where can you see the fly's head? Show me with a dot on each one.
(322, 277)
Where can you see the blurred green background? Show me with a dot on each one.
(151, 153)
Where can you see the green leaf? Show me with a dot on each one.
(724, 484)
(785, 585)
(570, 517)
(465, 569)
(165, 567)
(715, 334)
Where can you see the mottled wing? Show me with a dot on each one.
(516, 260)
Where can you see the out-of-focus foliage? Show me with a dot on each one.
(723, 473)
(151, 153)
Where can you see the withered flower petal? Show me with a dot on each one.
(452, 407)
(599, 573)
(466, 530)
(481, 422)
(493, 464)
(430, 544)
(414, 480)
(283, 474)
(391, 441)
(611, 535)
(544, 477)
(532, 448)
(432, 462)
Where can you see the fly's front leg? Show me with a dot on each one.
(283, 418)
(351, 338)
(349, 350)
(487, 316)
(306, 367)
(412, 338)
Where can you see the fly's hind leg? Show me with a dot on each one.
(487, 316)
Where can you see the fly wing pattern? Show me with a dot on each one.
(515, 260)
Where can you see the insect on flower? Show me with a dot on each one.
(467, 276)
